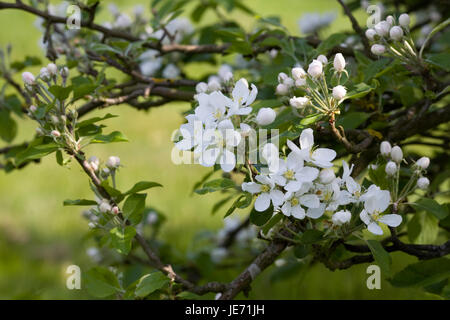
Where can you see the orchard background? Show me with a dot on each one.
(39, 237)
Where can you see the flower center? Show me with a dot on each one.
(289, 174)
(265, 188)
(294, 202)
(217, 114)
(376, 215)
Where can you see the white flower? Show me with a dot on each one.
(323, 59)
(391, 168)
(122, 21)
(201, 87)
(214, 84)
(287, 170)
(341, 217)
(339, 92)
(28, 78)
(104, 206)
(211, 108)
(267, 192)
(423, 183)
(192, 133)
(52, 69)
(242, 98)
(282, 76)
(370, 34)
(281, 89)
(294, 201)
(55, 133)
(113, 162)
(270, 153)
(404, 20)
(321, 157)
(339, 62)
(396, 33)
(225, 72)
(289, 82)
(94, 162)
(315, 68)
(171, 71)
(378, 49)
(299, 102)
(353, 192)
(382, 28)
(422, 163)
(265, 116)
(245, 129)
(327, 175)
(385, 148)
(375, 202)
(150, 63)
(397, 154)
(298, 73)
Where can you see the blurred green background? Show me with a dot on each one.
(39, 237)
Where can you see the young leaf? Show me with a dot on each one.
(216, 185)
(142, 185)
(133, 207)
(115, 136)
(121, 239)
(79, 202)
(150, 283)
(101, 282)
(381, 256)
(431, 206)
(422, 273)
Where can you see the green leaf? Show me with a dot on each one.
(115, 136)
(311, 236)
(302, 250)
(353, 120)
(381, 256)
(79, 202)
(431, 206)
(83, 90)
(423, 228)
(186, 295)
(272, 222)
(142, 185)
(261, 218)
(8, 127)
(116, 194)
(134, 206)
(219, 204)
(35, 152)
(122, 238)
(216, 185)
(59, 157)
(440, 60)
(95, 120)
(242, 202)
(422, 273)
(101, 282)
(360, 90)
(150, 283)
(60, 93)
(331, 42)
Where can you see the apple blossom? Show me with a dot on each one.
(390, 20)
(300, 82)
(298, 73)
(113, 162)
(378, 49)
(299, 102)
(370, 34)
(397, 154)
(171, 71)
(385, 148)
(28, 78)
(396, 33)
(339, 92)
(52, 69)
(33, 108)
(423, 183)
(423, 162)
(55, 133)
(64, 72)
(391, 168)
(404, 20)
(94, 162)
(201, 87)
(327, 175)
(265, 188)
(225, 72)
(341, 217)
(265, 116)
(104, 206)
(315, 68)
(339, 62)
(214, 84)
(281, 89)
(382, 28)
(44, 74)
(242, 98)
(322, 59)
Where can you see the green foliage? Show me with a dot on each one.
(122, 238)
(216, 185)
(150, 283)
(381, 256)
(101, 282)
(133, 207)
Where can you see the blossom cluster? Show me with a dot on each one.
(317, 93)
(305, 185)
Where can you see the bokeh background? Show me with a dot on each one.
(39, 237)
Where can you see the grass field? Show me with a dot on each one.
(39, 237)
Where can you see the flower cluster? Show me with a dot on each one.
(305, 185)
(312, 84)
(314, 22)
(219, 123)
(392, 37)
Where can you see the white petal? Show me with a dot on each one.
(298, 212)
(352, 185)
(227, 161)
(251, 187)
(307, 174)
(310, 201)
(375, 228)
(252, 95)
(316, 212)
(185, 144)
(383, 200)
(324, 155)
(277, 197)
(293, 147)
(392, 220)
(286, 209)
(208, 157)
(306, 139)
(240, 91)
(262, 202)
(364, 216)
(293, 186)
(294, 161)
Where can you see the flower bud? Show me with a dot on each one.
(288, 82)
(91, 225)
(113, 162)
(423, 162)
(396, 33)
(52, 69)
(385, 148)
(54, 119)
(423, 183)
(40, 132)
(300, 82)
(397, 154)
(382, 28)
(214, 85)
(322, 59)
(104, 206)
(115, 210)
(64, 72)
(201, 87)
(33, 108)
(298, 73)
(315, 68)
(370, 34)
(28, 78)
(282, 76)
(282, 89)
(55, 133)
(298, 102)
(391, 168)
(341, 217)
(339, 92)
(245, 129)
(44, 74)
(390, 20)
(105, 173)
(94, 162)
(326, 175)
(404, 20)
(265, 116)
(378, 49)
(339, 62)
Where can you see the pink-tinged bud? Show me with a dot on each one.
(378, 49)
(391, 168)
(104, 206)
(404, 20)
(397, 154)
(339, 92)
(298, 73)
(55, 133)
(339, 62)
(33, 108)
(52, 69)
(423, 183)
(396, 33)
(423, 162)
(370, 34)
(113, 162)
(265, 116)
(390, 20)
(382, 28)
(385, 148)
(115, 210)
(28, 78)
